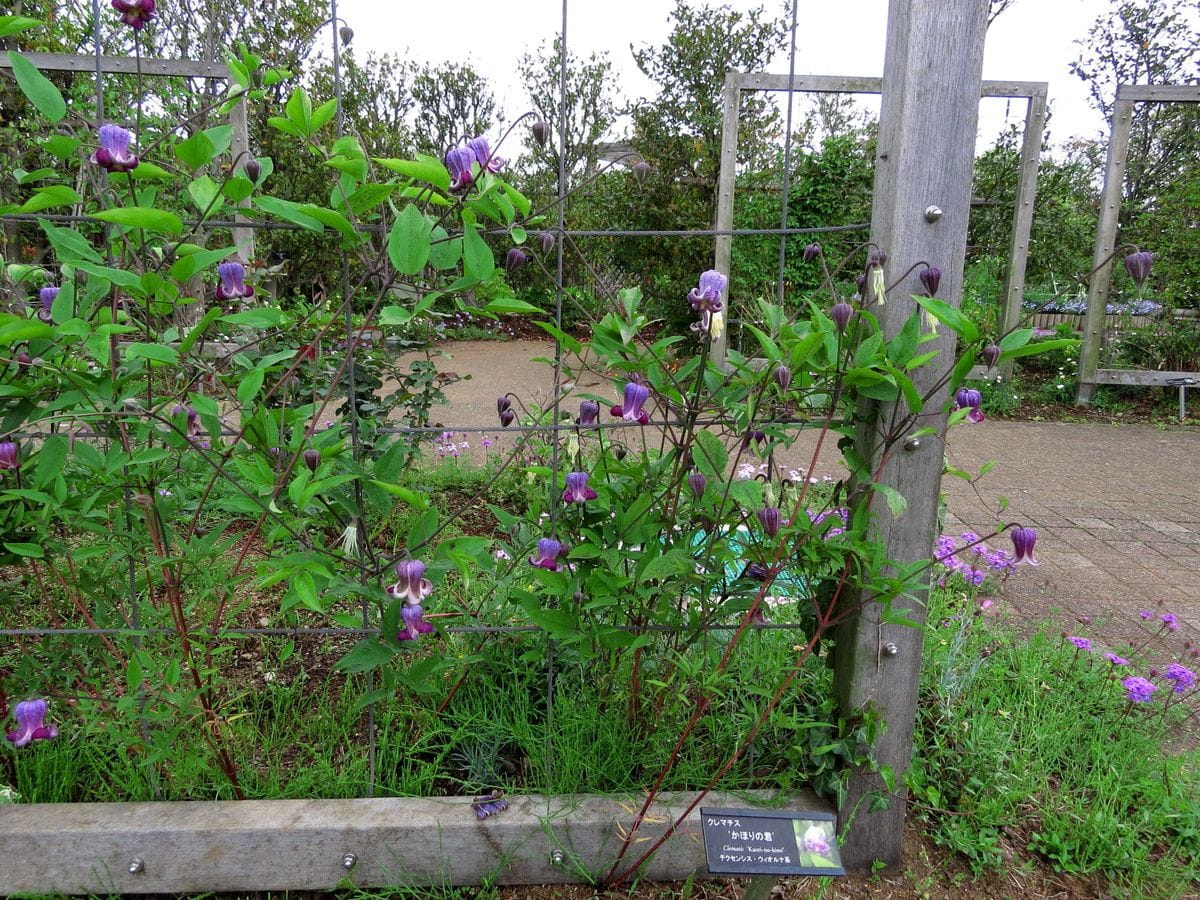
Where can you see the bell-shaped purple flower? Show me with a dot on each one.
(841, 314)
(483, 155)
(783, 377)
(812, 251)
(990, 354)
(507, 417)
(1138, 266)
(698, 483)
(589, 412)
(31, 723)
(233, 282)
(709, 296)
(770, 518)
(458, 162)
(931, 277)
(641, 171)
(489, 804)
(503, 404)
(546, 241)
(630, 409)
(113, 153)
(1023, 540)
(514, 259)
(970, 399)
(411, 584)
(312, 458)
(577, 490)
(548, 551)
(413, 617)
(253, 170)
(9, 455)
(541, 131)
(135, 13)
(46, 298)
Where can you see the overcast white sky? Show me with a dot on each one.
(1032, 41)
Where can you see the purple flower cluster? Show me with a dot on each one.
(1180, 676)
(974, 560)
(1138, 689)
(446, 445)
(461, 160)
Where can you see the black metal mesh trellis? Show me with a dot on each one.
(135, 633)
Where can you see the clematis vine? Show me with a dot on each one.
(770, 518)
(458, 162)
(31, 723)
(577, 490)
(548, 552)
(841, 314)
(698, 483)
(630, 409)
(135, 13)
(483, 155)
(46, 298)
(970, 399)
(233, 282)
(1023, 540)
(113, 153)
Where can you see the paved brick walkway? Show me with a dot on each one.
(1117, 508)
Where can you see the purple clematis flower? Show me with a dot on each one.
(135, 13)
(991, 354)
(709, 296)
(577, 490)
(630, 409)
(811, 252)
(411, 584)
(1138, 266)
(458, 162)
(413, 616)
(815, 840)
(233, 282)
(312, 458)
(589, 412)
(931, 277)
(1023, 540)
(970, 399)
(771, 518)
(841, 315)
(483, 155)
(46, 298)
(489, 804)
(113, 153)
(698, 483)
(548, 551)
(8, 455)
(31, 723)
(514, 259)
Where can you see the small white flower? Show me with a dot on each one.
(349, 540)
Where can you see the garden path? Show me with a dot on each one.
(1117, 507)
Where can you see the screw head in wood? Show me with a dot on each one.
(890, 649)
(349, 861)
(137, 866)
(913, 443)
(557, 858)
(932, 213)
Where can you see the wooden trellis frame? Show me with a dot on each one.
(1034, 92)
(1090, 375)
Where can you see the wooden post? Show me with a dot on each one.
(928, 119)
(725, 185)
(1018, 248)
(1106, 240)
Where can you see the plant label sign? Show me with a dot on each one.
(768, 842)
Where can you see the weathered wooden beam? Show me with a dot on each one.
(1144, 377)
(122, 65)
(929, 114)
(1159, 93)
(1100, 280)
(139, 848)
(854, 84)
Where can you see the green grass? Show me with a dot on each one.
(1027, 744)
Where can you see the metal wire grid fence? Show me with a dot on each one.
(134, 632)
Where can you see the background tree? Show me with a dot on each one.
(453, 103)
